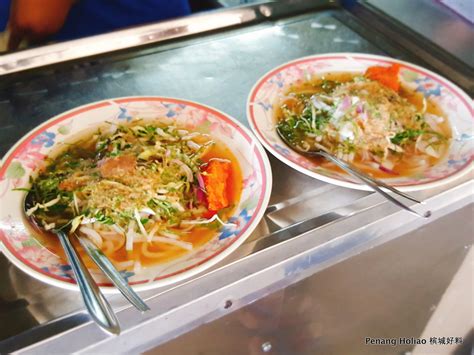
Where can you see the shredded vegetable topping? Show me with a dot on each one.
(141, 183)
(365, 120)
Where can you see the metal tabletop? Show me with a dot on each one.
(215, 59)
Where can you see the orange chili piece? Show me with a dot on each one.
(216, 177)
(387, 76)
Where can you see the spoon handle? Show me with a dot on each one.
(98, 307)
(114, 275)
(373, 183)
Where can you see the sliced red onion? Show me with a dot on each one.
(342, 108)
(386, 170)
(93, 235)
(200, 181)
(346, 103)
(200, 195)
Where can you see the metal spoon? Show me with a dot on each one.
(375, 184)
(113, 274)
(95, 302)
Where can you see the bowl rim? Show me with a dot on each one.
(465, 169)
(186, 273)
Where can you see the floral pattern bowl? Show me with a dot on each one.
(20, 245)
(456, 104)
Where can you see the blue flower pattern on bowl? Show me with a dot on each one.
(457, 163)
(277, 79)
(45, 139)
(282, 150)
(266, 107)
(240, 221)
(62, 270)
(127, 274)
(428, 87)
(123, 114)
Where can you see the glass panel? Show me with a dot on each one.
(435, 21)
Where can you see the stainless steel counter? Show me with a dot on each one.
(215, 63)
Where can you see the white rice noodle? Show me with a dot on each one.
(221, 160)
(108, 246)
(93, 235)
(137, 267)
(210, 220)
(425, 105)
(123, 265)
(169, 235)
(425, 146)
(118, 229)
(112, 128)
(152, 232)
(163, 134)
(111, 235)
(193, 145)
(139, 223)
(304, 146)
(178, 243)
(365, 155)
(387, 164)
(433, 121)
(191, 136)
(31, 210)
(151, 254)
(319, 104)
(146, 211)
(186, 169)
(117, 239)
(368, 164)
(178, 206)
(48, 226)
(76, 203)
(130, 236)
(87, 220)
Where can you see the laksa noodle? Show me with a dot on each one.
(143, 193)
(367, 119)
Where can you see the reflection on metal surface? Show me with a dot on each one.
(390, 30)
(386, 292)
(143, 35)
(260, 266)
(119, 40)
(422, 14)
(181, 308)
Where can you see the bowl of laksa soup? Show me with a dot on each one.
(164, 187)
(393, 120)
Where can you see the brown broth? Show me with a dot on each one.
(198, 236)
(313, 86)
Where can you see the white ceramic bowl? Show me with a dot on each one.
(20, 246)
(456, 104)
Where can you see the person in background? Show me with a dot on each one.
(36, 21)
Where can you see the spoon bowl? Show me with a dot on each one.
(95, 302)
